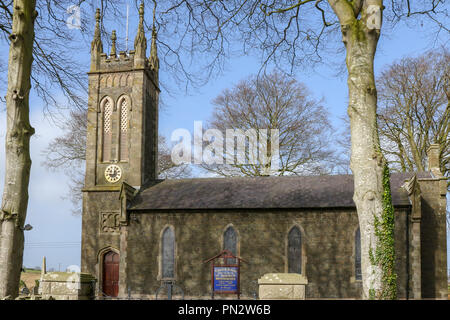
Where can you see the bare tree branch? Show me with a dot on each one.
(275, 101)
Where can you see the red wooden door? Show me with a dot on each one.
(111, 274)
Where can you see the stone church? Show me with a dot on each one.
(139, 232)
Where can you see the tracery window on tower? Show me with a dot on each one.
(107, 108)
(124, 104)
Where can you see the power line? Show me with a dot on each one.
(52, 242)
(52, 245)
(56, 245)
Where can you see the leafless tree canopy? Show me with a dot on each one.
(54, 64)
(414, 110)
(59, 75)
(166, 168)
(275, 101)
(197, 37)
(287, 34)
(69, 150)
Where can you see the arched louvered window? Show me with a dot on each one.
(107, 129)
(358, 274)
(295, 251)
(168, 254)
(123, 137)
(230, 242)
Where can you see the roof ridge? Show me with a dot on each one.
(278, 177)
(324, 191)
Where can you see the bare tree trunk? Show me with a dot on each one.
(371, 174)
(366, 160)
(18, 163)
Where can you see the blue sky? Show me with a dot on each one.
(57, 233)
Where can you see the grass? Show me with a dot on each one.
(29, 277)
(32, 271)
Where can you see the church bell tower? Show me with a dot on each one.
(122, 137)
(123, 108)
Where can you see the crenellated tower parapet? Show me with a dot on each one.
(124, 61)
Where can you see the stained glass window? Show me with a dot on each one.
(168, 254)
(230, 243)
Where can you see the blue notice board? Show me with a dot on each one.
(226, 279)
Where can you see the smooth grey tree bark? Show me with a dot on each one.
(17, 148)
(360, 36)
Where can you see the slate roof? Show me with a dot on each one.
(287, 192)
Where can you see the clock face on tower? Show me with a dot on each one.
(113, 173)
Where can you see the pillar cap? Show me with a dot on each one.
(283, 278)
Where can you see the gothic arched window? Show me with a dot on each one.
(123, 137)
(358, 274)
(168, 254)
(295, 251)
(230, 242)
(107, 129)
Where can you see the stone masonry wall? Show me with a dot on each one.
(327, 240)
(100, 229)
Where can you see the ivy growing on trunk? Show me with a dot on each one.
(385, 250)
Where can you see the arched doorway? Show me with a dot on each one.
(111, 274)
